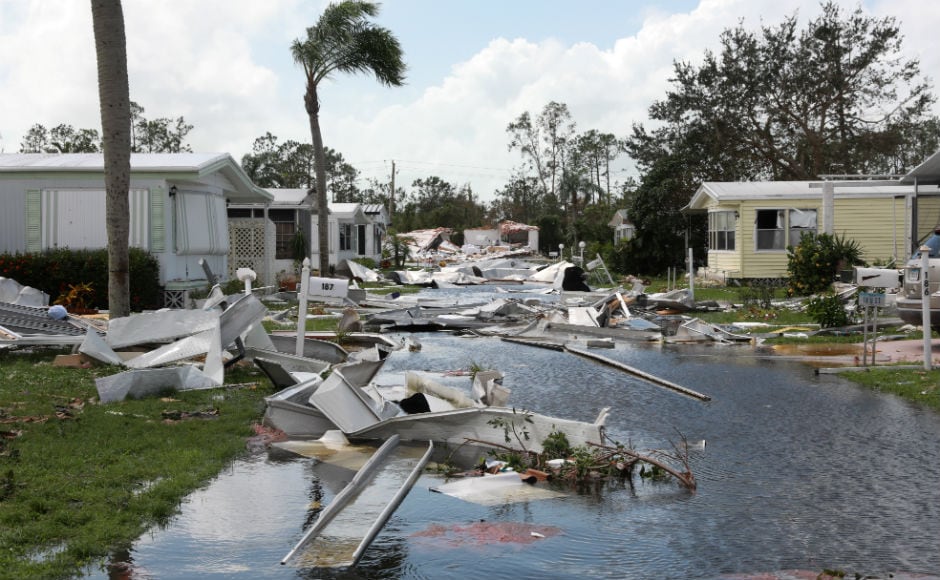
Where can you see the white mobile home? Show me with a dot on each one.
(268, 231)
(177, 207)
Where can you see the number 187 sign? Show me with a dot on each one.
(328, 287)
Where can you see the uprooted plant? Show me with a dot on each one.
(590, 462)
(515, 427)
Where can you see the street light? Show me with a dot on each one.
(561, 251)
(581, 245)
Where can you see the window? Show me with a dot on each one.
(244, 212)
(284, 228)
(721, 226)
(802, 221)
(778, 228)
(361, 240)
(345, 237)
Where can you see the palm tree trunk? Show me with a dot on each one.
(113, 94)
(319, 164)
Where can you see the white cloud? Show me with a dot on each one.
(225, 66)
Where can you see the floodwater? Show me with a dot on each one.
(800, 472)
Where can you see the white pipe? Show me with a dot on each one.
(302, 307)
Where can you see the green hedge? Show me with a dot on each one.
(55, 271)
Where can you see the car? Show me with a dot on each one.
(912, 289)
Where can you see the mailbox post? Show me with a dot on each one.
(925, 303)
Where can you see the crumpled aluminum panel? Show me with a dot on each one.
(147, 382)
(159, 326)
(182, 349)
(241, 316)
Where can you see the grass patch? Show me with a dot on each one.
(79, 480)
(919, 386)
(775, 316)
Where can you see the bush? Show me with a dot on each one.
(827, 311)
(56, 272)
(815, 261)
(366, 261)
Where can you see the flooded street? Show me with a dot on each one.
(800, 472)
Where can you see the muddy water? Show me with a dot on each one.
(799, 472)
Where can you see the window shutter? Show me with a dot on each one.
(157, 221)
(33, 221)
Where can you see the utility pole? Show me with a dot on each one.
(391, 195)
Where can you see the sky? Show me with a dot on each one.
(473, 67)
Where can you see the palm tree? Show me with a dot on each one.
(114, 98)
(343, 40)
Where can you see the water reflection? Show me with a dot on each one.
(801, 472)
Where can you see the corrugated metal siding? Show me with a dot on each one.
(878, 225)
(928, 215)
(726, 262)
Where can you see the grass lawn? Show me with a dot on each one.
(79, 480)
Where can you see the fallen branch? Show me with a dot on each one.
(686, 478)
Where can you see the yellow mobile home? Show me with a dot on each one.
(751, 224)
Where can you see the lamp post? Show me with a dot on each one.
(581, 245)
(561, 252)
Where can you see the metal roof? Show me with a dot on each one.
(176, 166)
(729, 191)
(284, 196)
(927, 173)
(373, 207)
(158, 162)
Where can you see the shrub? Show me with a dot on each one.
(58, 271)
(827, 311)
(813, 264)
(366, 261)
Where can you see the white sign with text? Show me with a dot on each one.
(327, 287)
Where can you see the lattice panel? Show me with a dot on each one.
(246, 243)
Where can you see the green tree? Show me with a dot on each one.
(162, 135)
(378, 192)
(519, 200)
(661, 229)
(343, 40)
(592, 155)
(341, 177)
(114, 99)
(291, 165)
(784, 103)
(544, 143)
(781, 103)
(435, 202)
(280, 165)
(60, 139)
